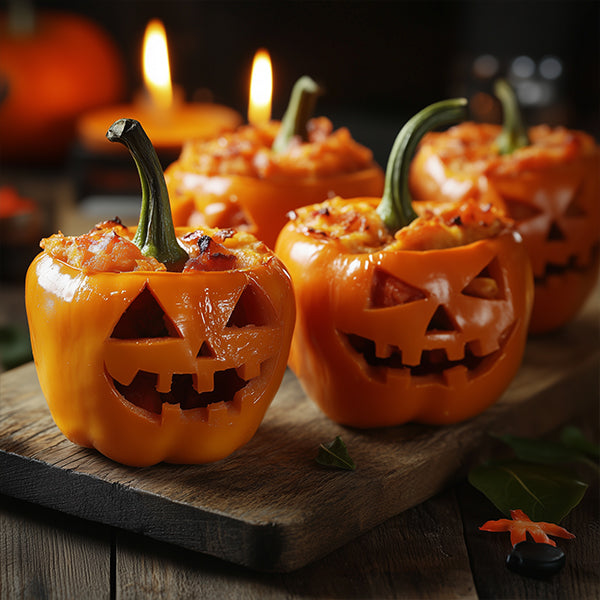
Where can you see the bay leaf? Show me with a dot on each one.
(543, 492)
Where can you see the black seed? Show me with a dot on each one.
(535, 560)
(204, 243)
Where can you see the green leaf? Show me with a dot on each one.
(573, 438)
(335, 454)
(540, 451)
(543, 492)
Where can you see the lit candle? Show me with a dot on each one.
(167, 119)
(261, 89)
(156, 66)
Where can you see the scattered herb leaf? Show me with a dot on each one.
(520, 525)
(542, 491)
(335, 454)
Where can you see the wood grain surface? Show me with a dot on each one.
(270, 506)
(433, 551)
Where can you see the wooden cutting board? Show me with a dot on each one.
(270, 506)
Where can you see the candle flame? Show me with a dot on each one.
(261, 89)
(157, 74)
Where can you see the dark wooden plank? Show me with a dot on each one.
(580, 578)
(417, 554)
(45, 554)
(261, 506)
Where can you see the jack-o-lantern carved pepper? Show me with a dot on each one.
(404, 317)
(251, 178)
(167, 345)
(545, 179)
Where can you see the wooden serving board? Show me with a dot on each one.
(270, 506)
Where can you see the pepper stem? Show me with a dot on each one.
(395, 208)
(155, 235)
(300, 109)
(514, 133)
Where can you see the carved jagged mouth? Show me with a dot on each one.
(434, 363)
(571, 266)
(142, 390)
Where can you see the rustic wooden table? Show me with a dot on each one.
(434, 550)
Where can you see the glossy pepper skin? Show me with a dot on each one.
(234, 200)
(176, 365)
(384, 334)
(259, 203)
(549, 185)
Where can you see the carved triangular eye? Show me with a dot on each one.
(488, 284)
(252, 308)
(520, 211)
(441, 321)
(205, 351)
(144, 318)
(387, 290)
(574, 209)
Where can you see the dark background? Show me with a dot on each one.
(379, 61)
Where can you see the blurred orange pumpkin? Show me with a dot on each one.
(52, 69)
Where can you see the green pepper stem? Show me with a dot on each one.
(155, 235)
(395, 208)
(300, 109)
(514, 133)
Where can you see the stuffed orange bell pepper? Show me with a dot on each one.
(156, 344)
(545, 179)
(251, 178)
(404, 317)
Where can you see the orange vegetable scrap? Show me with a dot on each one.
(520, 525)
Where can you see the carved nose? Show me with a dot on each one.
(441, 321)
(555, 233)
